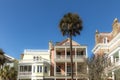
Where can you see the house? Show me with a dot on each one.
(12, 62)
(108, 43)
(9, 63)
(53, 64)
(60, 60)
(34, 64)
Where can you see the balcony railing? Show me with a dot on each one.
(62, 58)
(59, 74)
(25, 73)
(68, 56)
(115, 64)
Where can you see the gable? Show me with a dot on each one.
(67, 43)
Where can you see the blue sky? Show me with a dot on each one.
(31, 24)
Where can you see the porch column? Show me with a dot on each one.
(113, 77)
(119, 55)
(55, 54)
(76, 68)
(75, 53)
(55, 69)
(112, 59)
(65, 53)
(65, 68)
(33, 68)
(18, 71)
(55, 63)
(65, 78)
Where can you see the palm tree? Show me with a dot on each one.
(8, 73)
(12, 74)
(4, 72)
(2, 58)
(70, 25)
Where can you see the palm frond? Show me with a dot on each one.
(70, 24)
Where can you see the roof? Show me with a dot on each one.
(66, 42)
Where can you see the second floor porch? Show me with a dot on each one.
(67, 58)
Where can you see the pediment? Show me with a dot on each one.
(66, 42)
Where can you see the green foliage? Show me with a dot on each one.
(2, 57)
(96, 67)
(8, 73)
(70, 24)
(117, 74)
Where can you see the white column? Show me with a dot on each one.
(65, 53)
(86, 54)
(55, 69)
(35, 68)
(75, 53)
(119, 55)
(55, 54)
(18, 71)
(55, 63)
(43, 69)
(32, 69)
(76, 68)
(113, 78)
(112, 59)
(65, 69)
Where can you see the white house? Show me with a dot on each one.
(34, 65)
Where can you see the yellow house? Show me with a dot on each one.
(34, 65)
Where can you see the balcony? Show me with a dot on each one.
(114, 65)
(25, 73)
(59, 74)
(63, 58)
(68, 74)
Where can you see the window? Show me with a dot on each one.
(34, 58)
(79, 53)
(29, 68)
(59, 53)
(26, 68)
(58, 68)
(37, 58)
(68, 68)
(68, 53)
(105, 40)
(45, 70)
(67, 43)
(79, 68)
(39, 68)
(21, 68)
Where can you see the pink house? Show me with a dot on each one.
(60, 60)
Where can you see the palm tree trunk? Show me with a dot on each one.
(71, 57)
